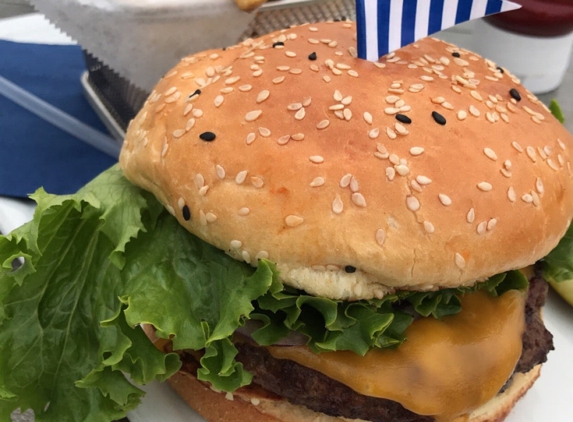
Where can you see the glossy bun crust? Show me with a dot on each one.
(252, 405)
(432, 168)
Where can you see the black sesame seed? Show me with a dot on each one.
(456, 54)
(197, 92)
(441, 120)
(278, 43)
(350, 269)
(515, 94)
(312, 56)
(208, 136)
(500, 69)
(186, 213)
(403, 118)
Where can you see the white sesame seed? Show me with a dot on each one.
(530, 151)
(445, 199)
(220, 171)
(390, 133)
(283, 140)
(481, 227)
(251, 116)
(415, 151)
(258, 73)
(236, 244)
(245, 88)
(347, 100)
(490, 153)
(429, 227)
(539, 186)
(241, 176)
(257, 181)
(261, 255)
(298, 136)
(460, 261)
(561, 144)
(283, 68)
(199, 180)
(527, 198)
(337, 205)
(380, 236)
(347, 114)
(210, 217)
(391, 99)
(197, 113)
(511, 194)
(264, 132)
(401, 129)
(231, 81)
(336, 107)
(358, 199)
(423, 180)
(474, 111)
(484, 186)
(374, 133)
(318, 181)
(178, 133)
(367, 117)
(462, 114)
(316, 159)
(354, 186)
(394, 159)
(471, 215)
(188, 109)
(390, 173)
(290, 54)
(391, 110)
(278, 80)
(293, 220)
(345, 180)
(412, 203)
(244, 211)
(491, 224)
(294, 106)
(337, 95)
(227, 90)
(263, 95)
(219, 100)
(551, 164)
(323, 124)
(299, 115)
(536, 200)
(402, 170)
(518, 147)
(189, 125)
(251, 138)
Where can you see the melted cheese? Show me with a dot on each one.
(446, 368)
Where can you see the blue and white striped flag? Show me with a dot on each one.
(386, 25)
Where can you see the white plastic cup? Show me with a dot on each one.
(540, 62)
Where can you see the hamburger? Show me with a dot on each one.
(304, 236)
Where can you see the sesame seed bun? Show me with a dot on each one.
(432, 168)
(252, 405)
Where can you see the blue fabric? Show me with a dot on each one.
(33, 153)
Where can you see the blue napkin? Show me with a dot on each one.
(33, 153)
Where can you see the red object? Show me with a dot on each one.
(541, 18)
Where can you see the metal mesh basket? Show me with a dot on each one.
(117, 100)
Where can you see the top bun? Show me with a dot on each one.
(432, 168)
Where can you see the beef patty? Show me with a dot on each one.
(304, 386)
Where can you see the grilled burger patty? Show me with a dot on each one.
(304, 386)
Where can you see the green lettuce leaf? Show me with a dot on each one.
(558, 265)
(555, 109)
(102, 262)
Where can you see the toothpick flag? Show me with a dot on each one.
(387, 25)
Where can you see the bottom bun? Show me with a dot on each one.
(253, 405)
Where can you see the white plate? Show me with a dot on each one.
(550, 399)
